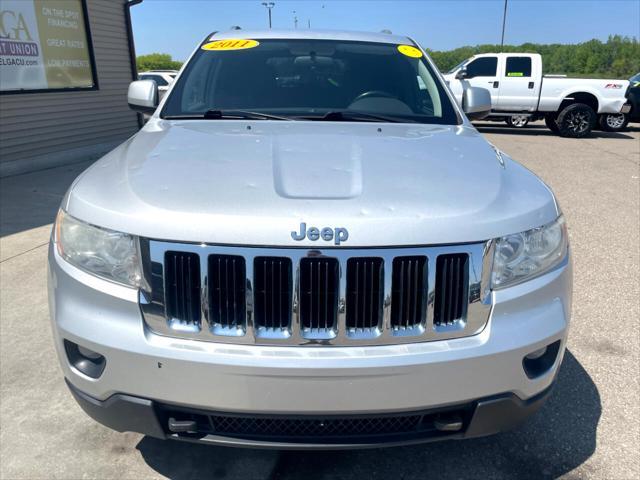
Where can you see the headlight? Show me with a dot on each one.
(525, 255)
(111, 255)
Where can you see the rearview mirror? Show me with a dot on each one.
(462, 74)
(476, 103)
(143, 96)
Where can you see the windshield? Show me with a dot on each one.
(309, 79)
(635, 80)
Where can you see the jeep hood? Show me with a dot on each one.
(254, 182)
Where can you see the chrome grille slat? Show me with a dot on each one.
(452, 289)
(272, 316)
(318, 297)
(364, 302)
(309, 304)
(182, 290)
(409, 294)
(227, 295)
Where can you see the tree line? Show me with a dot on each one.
(157, 61)
(618, 57)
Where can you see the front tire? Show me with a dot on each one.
(613, 122)
(518, 121)
(576, 120)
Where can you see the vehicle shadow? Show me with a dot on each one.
(541, 130)
(560, 437)
(31, 200)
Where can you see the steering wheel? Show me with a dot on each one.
(373, 93)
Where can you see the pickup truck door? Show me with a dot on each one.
(483, 72)
(519, 84)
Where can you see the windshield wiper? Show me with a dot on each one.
(352, 115)
(228, 115)
(244, 114)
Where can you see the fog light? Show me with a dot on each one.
(540, 361)
(85, 360)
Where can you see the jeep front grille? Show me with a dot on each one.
(335, 296)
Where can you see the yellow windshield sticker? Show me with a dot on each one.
(232, 44)
(409, 51)
(515, 74)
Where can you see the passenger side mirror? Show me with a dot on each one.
(143, 96)
(462, 74)
(476, 103)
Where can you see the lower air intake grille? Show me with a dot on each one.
(318, 293)
(408, 292)
(227, 279)
(318, 429)
(182, 287)
(326, 427)
(364, 292)
(452, 285)
(273, 288)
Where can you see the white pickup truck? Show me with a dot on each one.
(519, 93)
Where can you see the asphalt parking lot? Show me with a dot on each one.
(590, 428)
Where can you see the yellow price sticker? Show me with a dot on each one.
(232, 44)
(409, 51)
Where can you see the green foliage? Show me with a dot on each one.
(157, 61)
(618, 57)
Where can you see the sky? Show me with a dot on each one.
(177, 26)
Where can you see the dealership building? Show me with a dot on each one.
(65, 66)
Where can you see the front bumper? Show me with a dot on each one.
(478, 418)
(307, 381)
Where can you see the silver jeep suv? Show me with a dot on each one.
(308, 245)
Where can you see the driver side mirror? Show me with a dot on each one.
(143, 96)
(476, 103)
(462, 74)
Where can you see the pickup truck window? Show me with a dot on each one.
(161, 82)
(306, 79)
(518, 67)
(483, 67)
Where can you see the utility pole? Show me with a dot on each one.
(504, 21)
(295, 20)
(269, 6)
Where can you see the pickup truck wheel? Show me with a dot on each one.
(551, 121)
(576, 120)
(613, 122)
(518, 121)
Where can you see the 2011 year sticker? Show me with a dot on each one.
(231, 44)
(409, 51)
